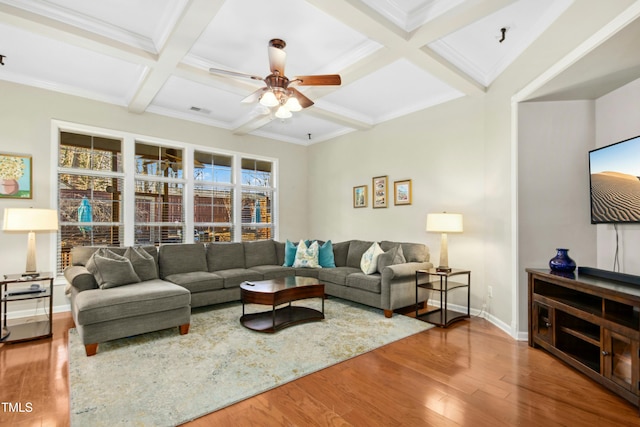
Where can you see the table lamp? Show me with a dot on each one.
(444, 223)
(30, 220)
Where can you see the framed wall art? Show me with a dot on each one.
(402, 192)
(360, 196)
(379, 187)
(15, 176)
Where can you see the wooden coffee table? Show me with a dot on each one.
(276, 292)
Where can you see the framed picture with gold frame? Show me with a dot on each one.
(379, 188)
(402, 192)
(360, 196)
(15, 176)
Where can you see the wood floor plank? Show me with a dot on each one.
(471, 374)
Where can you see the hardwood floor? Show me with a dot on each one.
(471, 374)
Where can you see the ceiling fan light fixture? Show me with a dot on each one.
(283, 113)
(269, 99)
(292, 104)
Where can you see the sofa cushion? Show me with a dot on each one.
(391, 257)
(197, 281)
(225, 256)
(152, 296)
(307, 256)
(279, 252)
(289, 254)
(337, 275)
(308, 272)
(413, 252)
(366, 282)
(234, 276)
(80, 278)
(340, 251)
(273, 271)
(261, 252)
(111, 270)
(181, 258)
(357, 248)
(326, 258)
(369, 261)
(143, 263)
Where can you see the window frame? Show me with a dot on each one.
(130, 175)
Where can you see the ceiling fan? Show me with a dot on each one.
(279, 90)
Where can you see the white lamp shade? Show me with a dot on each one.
(444, 222)
(269, 99)
(293, 104)
(30, 219)
(283, 113)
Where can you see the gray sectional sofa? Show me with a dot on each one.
(194, 275)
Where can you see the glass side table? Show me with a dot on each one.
(16, 287)
(438, 281)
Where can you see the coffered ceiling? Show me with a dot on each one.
(395, 57)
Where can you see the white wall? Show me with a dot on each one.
(441, 150)
(25, 122)
(554, 139)
(617, 119)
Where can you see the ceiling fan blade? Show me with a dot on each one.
(319, 80)
(303, 100)
(277, 56)
(253, 97)
(234, 74)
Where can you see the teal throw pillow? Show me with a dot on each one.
(325, 257)
(289, 254)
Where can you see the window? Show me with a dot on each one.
(90, 187)
(213, 198)
(257, 198)
(125, 190)
(159, 213)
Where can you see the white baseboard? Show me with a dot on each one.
(520, 336)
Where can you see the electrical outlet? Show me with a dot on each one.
(490, 291)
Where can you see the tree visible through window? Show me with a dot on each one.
(231, 196)
(89, 193)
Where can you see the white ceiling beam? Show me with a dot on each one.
(194, 20)
(69, 34)
(454, 19)
(337, 118)
(366, 21)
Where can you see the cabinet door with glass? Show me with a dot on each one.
(620, 360)
(543, 322)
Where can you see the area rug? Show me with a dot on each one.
(164, 379)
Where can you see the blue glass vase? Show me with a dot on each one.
(561, 262)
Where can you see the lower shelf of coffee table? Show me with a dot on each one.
(284, 317)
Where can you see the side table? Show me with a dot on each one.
(438, 281)
(16, 287)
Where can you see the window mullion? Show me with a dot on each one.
(129, 199)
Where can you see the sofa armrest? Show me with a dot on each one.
(80, 278)
(403, 271)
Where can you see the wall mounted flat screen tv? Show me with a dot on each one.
(614, 173)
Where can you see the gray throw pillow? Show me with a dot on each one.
(391, 257)
(111, 269)
(143, 263)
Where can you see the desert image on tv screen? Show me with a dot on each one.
(615, 182)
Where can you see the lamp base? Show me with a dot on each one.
(442, 269)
